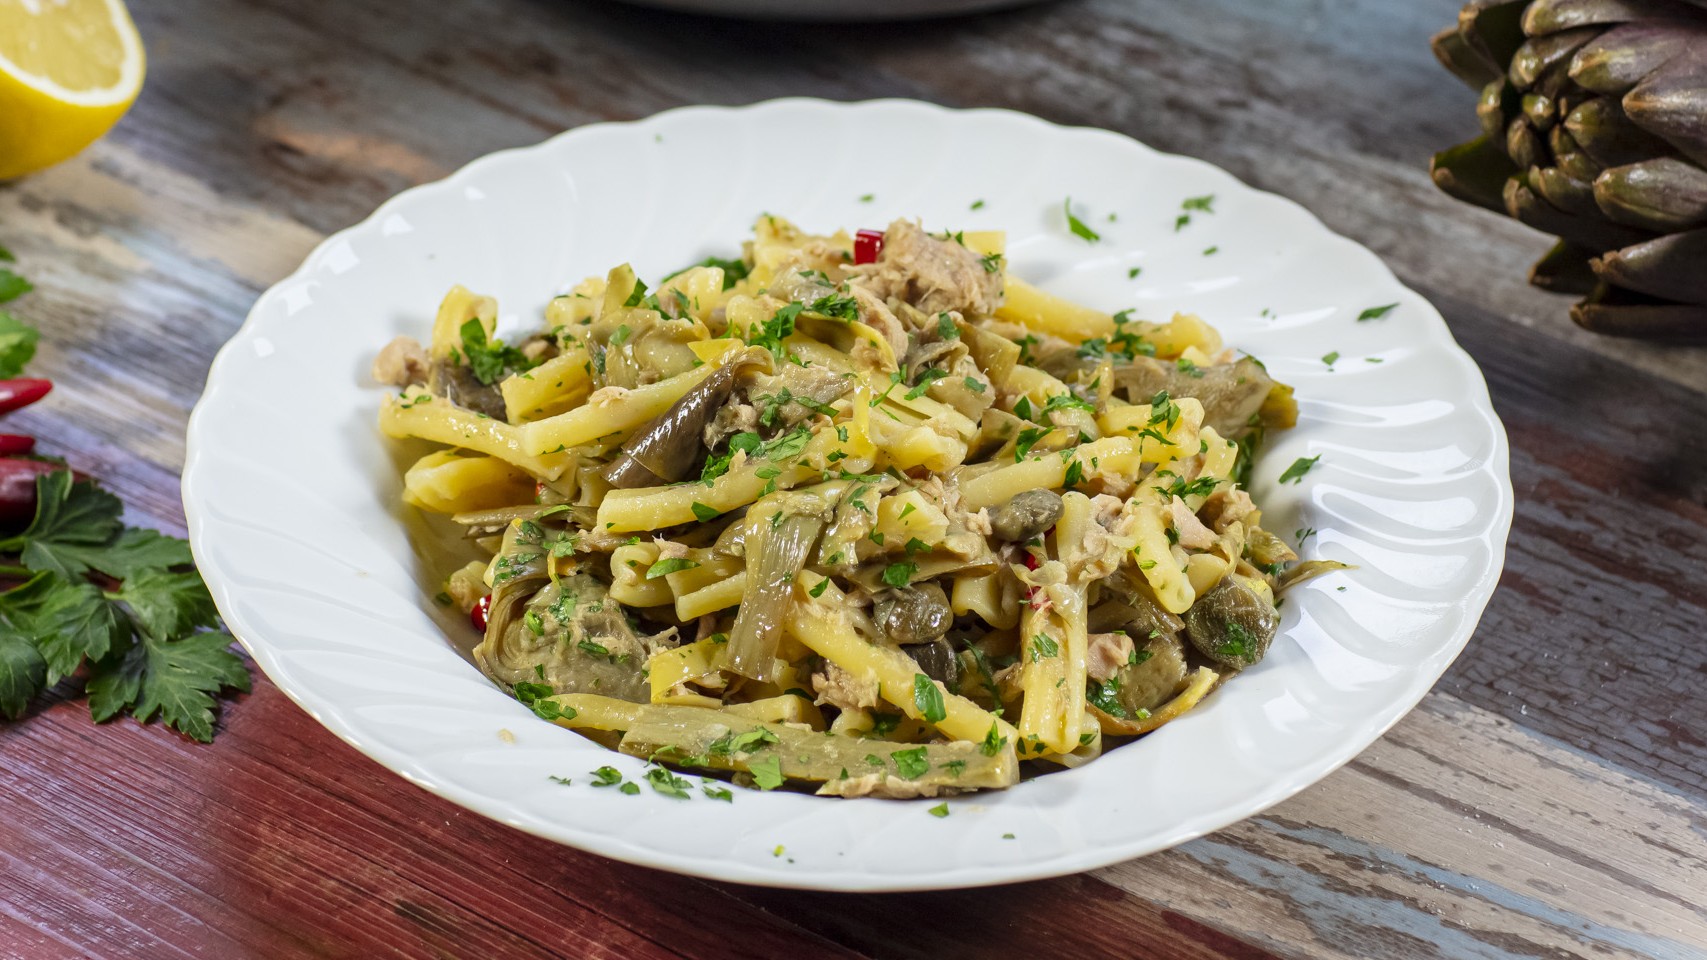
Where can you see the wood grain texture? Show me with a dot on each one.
(1548, 800)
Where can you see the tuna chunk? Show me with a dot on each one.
(931, 273)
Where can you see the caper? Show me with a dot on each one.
(1231, 624)
(1026, 515)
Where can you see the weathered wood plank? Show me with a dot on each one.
(1459, 834)
(1463, 833)
(265, 849)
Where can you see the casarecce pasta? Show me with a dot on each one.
(866, 513)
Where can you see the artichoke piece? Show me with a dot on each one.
(1538, 55)
(1493, 28)
(1575, 197)
(1529, 208)
(1232, 624)
(1551, 16)
(1664, 194)
(1672, 104)
(1231, 393)
(779, 556)
(1619, 59)
(1474, 172)
(1668, 267)
(1565, 269)
(846, 766)
(1156, 674)
(1465, 62)
(1603, 131)
(568, 635)
(666, 449)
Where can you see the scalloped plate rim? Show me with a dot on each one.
(1088, 857)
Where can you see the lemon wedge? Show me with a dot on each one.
(69, 69)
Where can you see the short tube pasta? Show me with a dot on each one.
(867, 519)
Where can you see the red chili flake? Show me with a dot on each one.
(868, 246)
(477, 616)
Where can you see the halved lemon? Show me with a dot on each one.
(69, 69)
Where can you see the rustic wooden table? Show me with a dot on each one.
(1548, 799)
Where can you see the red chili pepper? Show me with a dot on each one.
(477, 616)
(18, 488)
(21, 393)
(538, 491)
(868, 246)
(12, 444)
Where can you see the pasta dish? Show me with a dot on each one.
(865, 514)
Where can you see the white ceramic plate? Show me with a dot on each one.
(292, 495)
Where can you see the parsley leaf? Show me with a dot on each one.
(488, 360)
(667, 784)
(67, 514)
(1027, 439)
(607, 777)
(704, 513)
(939, 811)
(1078, 226)
(175, 679)
(767, 772)
(927, 696)
(17, 345)
(911, 763)
(13, 286)
(1300, 466)
(1376, 313)
(668, 566)
(898, 575)
(1043, 645)
(74, 621)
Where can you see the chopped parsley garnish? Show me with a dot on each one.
(1104, 696)
(977, 204)
(1066, 401)
(1075, 474)
(867, 197)
(488, 360)
(1201, 487)
(1043, 645)
(667, 784)
(1027, 439)
(911, 763)
(926, 378)
(1238, 643)
(1189, 368)
(1133, 273)
(993, 741)
(1376, 313)
(840, 308)
(991, 262)
(928, 698)
(1078, 226)
(915, 545)
(1331, 358)
(1300, 466)
(669, 565)
(940, 810)
(818, 588)
(945, 327)
(712, 789)
(976, 386)
(607, 777)
(777, 329)
(1203, 204)
(704, 513)
(1211, 251)
(636, 295)
(767, 772)
(898, 575)
(593, 648)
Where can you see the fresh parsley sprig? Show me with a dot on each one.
(125, 601)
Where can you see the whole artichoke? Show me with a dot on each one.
(1594, 129)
